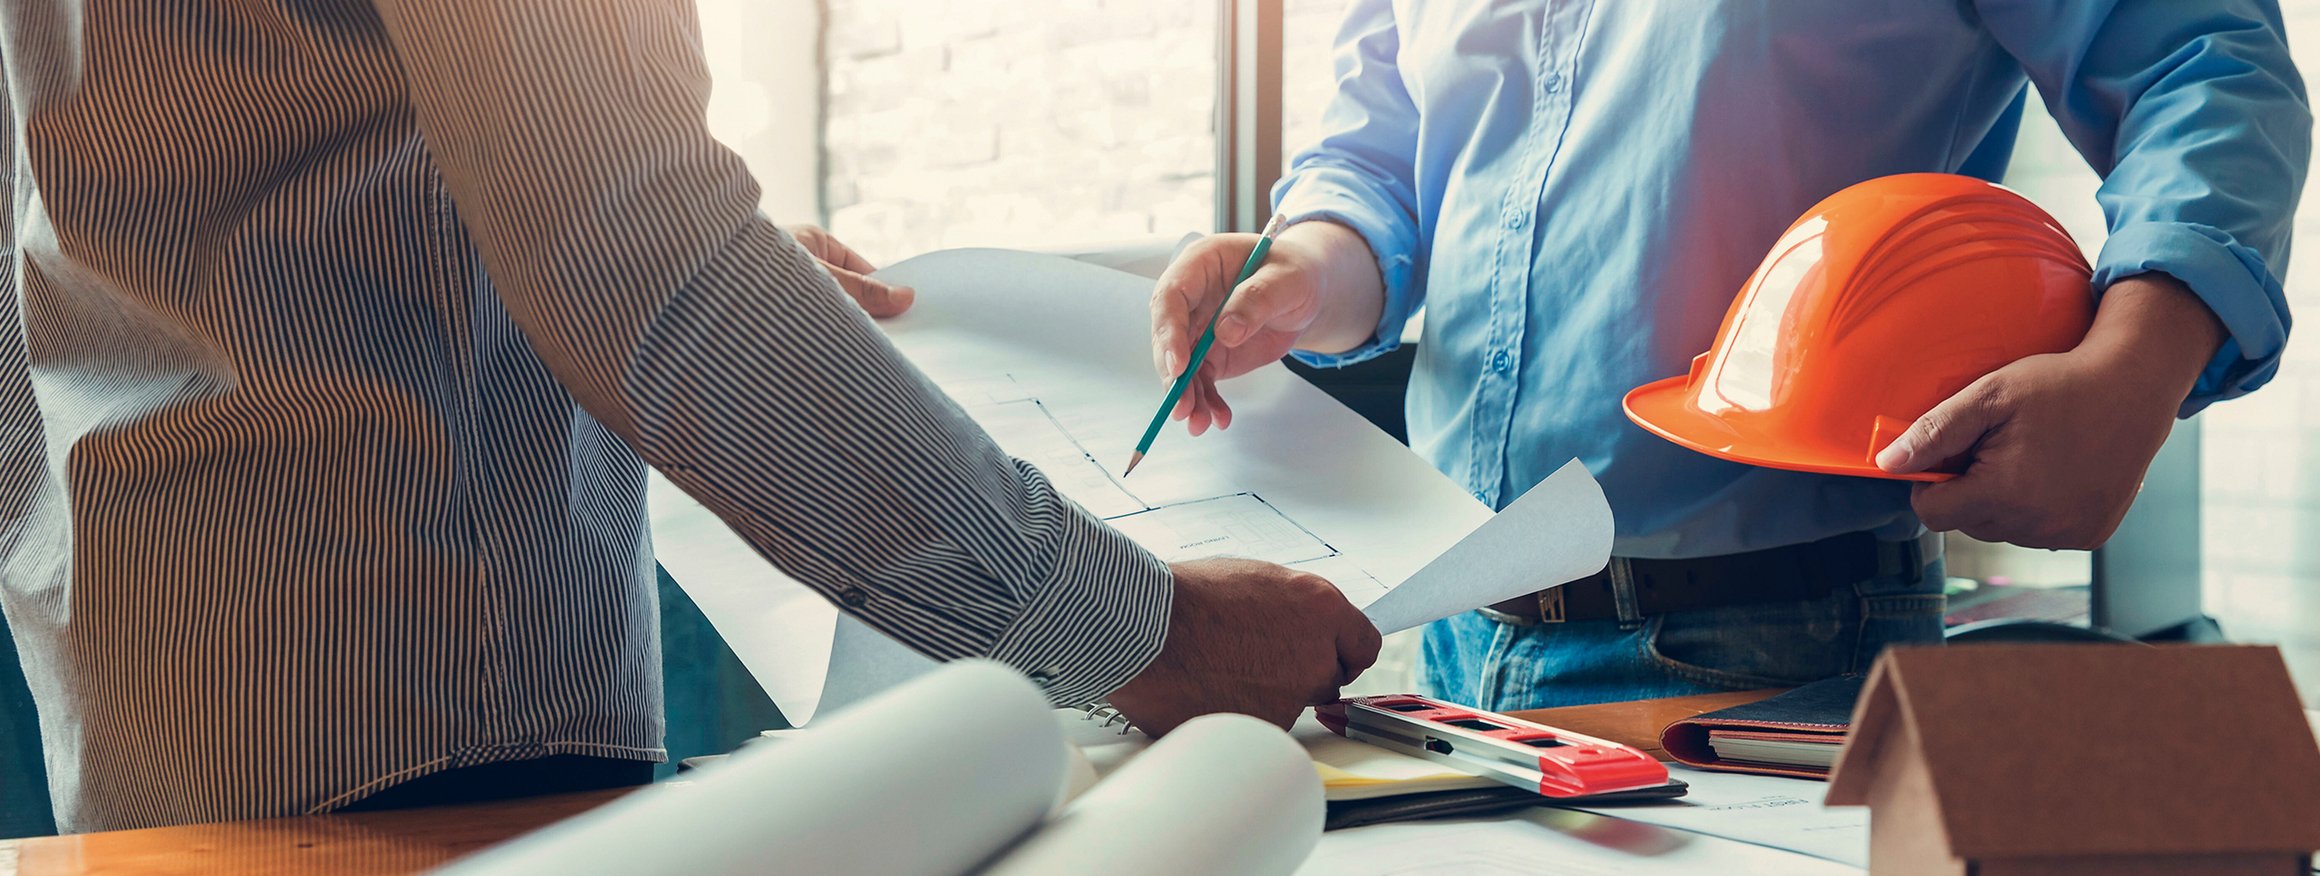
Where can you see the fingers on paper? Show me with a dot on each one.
(877, 297)
(830, 250)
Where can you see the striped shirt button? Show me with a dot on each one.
(854, 597)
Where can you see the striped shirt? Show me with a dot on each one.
(338, 341)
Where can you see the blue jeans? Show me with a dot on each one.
(1474, 660)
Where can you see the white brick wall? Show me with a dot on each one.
(1024, 124)
(2262, 465)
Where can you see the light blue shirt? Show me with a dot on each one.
(1574, 190)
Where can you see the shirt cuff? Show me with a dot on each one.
(2230, 278)
(1339, 195)
(1097, 620)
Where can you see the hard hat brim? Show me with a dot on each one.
(1664, 408)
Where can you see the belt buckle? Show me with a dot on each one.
(1551, 605)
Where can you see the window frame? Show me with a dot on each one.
(1248, 111)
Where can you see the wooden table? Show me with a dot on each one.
(410, 840)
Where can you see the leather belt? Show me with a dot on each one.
(1793, 573)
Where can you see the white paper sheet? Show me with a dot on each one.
(780, 629)
(869, 792)
(865, 662)
(1774, 811)
(1547, 841)
(1051, 356)
(1557, 532)
(1222, 794)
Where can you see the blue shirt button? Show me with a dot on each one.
(1499, 362)
(1554, 83)
(1514, 218)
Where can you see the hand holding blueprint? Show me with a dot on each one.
(1052, 357)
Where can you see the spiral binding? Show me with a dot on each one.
(1107, 713)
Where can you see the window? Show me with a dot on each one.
(1044, 125)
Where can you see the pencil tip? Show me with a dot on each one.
(1132, 464)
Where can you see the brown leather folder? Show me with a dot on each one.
(1805, 727)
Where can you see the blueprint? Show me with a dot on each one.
(1052, 358)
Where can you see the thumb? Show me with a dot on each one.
(1948, 431)
(1270, 295)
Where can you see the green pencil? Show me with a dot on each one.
(1200, 350)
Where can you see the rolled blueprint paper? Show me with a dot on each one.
(933, 777)
(1222, 794)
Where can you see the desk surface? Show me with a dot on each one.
(415, 839)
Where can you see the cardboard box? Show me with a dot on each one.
(1998, 760)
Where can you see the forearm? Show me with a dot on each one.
(793, 418)
(2056, 446)
(2196, 118)
(626, 244)
(1352, 291)
(2157, 331)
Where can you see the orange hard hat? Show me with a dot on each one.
(1881, 302)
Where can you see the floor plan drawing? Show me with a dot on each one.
(991, 389)
(1235, 525)
(1027, 431)
(1240, 525)
(1052, 357)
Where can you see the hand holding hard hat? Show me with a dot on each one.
(1931, 327)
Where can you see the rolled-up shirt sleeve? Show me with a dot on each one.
(2198, 121)
(627, 245)
(1361, 172)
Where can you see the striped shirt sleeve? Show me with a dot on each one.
(627, 245)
